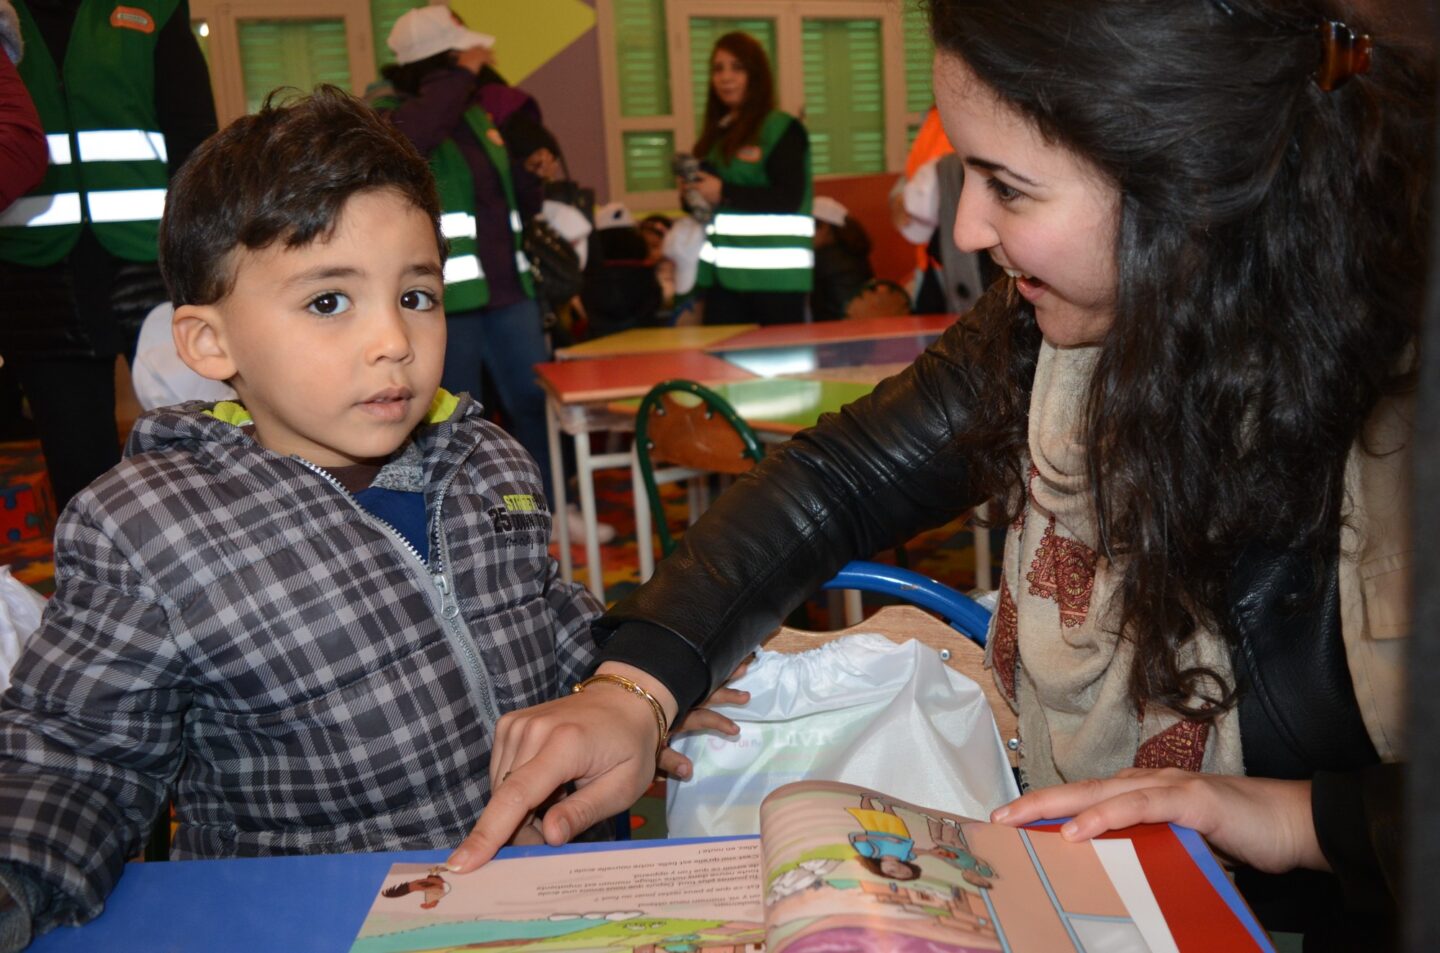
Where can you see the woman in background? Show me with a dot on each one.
(757, 262)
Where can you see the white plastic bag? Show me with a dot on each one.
(20, 608)
(860, 709)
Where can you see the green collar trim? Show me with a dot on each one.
(442, 406)
(230, 412)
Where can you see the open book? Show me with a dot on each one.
(836, 868)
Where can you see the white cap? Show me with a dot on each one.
(826, 209)
(614, 215)
(430, 30)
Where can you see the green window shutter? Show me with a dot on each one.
(704, 31)
(383, 14)
(919, 53)
(647, 161)
(298, 53)
(641, 57)
(844, 96)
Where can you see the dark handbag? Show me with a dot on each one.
(554, 264)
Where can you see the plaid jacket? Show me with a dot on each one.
(230, 628)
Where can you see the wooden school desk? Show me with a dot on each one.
(576, 393)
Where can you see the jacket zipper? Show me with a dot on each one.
(439, 575)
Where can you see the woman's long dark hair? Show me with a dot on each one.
(1270, 263)
(758, 103)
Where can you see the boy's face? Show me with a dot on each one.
(337, 346)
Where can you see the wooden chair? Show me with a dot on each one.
(694, 429)
(879, 299)
(902, 623)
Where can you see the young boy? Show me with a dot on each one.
(300, 613)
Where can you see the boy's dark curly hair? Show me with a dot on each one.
(282, 174)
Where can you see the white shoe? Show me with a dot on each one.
(575, 520)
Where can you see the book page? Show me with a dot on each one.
(850, 869)
(679, 898)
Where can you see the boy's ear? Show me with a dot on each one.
(199, 333)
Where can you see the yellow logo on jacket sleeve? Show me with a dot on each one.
(520, 503)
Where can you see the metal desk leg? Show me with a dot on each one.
(558, 505)
(585, 468)
(644, 531)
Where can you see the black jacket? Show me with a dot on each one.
(890, 465)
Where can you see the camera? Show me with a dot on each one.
(687, 170)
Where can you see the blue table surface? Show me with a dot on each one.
(316, 904)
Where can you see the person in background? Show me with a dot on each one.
(757, 264)
(621, 289)
(842, 260)
(1191, 396)
(23, 155)
(495, 323)
(124, 96)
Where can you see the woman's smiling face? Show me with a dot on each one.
(1043, 213)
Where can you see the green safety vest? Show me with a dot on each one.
(758, 251)
(107, 154)
(466, 287)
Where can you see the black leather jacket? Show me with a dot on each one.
(888, 466)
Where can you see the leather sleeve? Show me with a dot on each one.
(879, 471)
(1359, 821)
(1298, 712)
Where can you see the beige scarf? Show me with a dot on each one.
(1054, 642)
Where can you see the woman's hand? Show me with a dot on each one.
(475, 58)
(702, 718)
(603, 739)
(709, 187)
(1261, 822)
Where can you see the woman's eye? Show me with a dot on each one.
(417, 299)
(1003, 192)
(331, 302)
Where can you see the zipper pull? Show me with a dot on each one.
(441, 584)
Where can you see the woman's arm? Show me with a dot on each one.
(880, 470)
(429, 118)
(23, 154)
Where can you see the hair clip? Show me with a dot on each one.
(1343, 54)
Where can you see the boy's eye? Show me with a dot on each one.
(418, 299)
(331, 302)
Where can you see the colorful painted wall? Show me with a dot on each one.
(550, 48)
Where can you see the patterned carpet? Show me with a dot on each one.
(27, 523)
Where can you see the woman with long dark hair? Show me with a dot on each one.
(1189, 395)
(756, 265)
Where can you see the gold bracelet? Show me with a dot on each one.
(634, 689)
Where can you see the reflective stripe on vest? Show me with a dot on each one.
(455, 225)
(36, 210)
(126, 205)
(59, 145)
(757, 259)
(759, 225)
(463, 268)
(522, 264)
(121, 145)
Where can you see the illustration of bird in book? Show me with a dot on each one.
(434, 886)
(885, 847)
